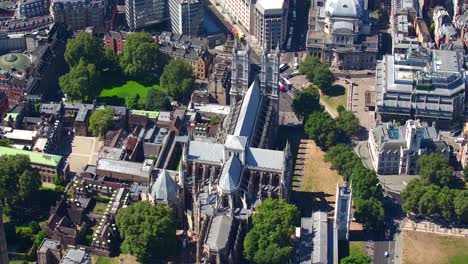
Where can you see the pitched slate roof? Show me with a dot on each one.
(165, 188)
(248, 113)
(231, 175)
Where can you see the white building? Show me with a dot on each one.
(186, 16)
(143, 13)
(395, 149)
(271, 22)
(240, 11)
(339, 34)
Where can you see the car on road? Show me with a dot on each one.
(387, 234)
(386, 254)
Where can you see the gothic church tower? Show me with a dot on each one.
(240, 72)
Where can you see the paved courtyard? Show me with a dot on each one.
(357, 98)
(80, 151)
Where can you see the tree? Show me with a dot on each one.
(368, 212)
(132, 101)
(18, 183)
(84, 47)
(4, 142)
(428, 204)
(323, 78)
(348, 123)
(81, 83)
(100, 121)
(157, 101)
(461, 206)
(307, 101)
(366, 184)
(308, 66)
(111, 61)
(356, 259)
(269, 241)
(435, 169)
(140, 55)
(465, 173)
(344, 160)
(148, 231)
(321, 128)
(411, 194)
(177, 79)
(445, 199)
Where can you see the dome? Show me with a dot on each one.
(343, 8)
(14, 62)
(11, 57)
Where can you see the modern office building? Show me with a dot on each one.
(186, 16)
(421, 84)
(271, 22)
(79, 14)
(144, 13)
(395, 149)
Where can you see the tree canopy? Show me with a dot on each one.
(308, 67)
(148, 231)
(367, 192)
(132, 101)
(307, 101)
(356, 259)
(4, 142)
(81, 82)
(348, 123)
(422, 198)
(84, 47)
(435, 169)
(322, 129)
(140, 54)
(323, 78)
(177, 79)
(269, 241)
(100, 121)
(156, 100)
(18, 183)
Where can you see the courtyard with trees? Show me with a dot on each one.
(124, 79)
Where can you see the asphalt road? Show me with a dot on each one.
(299, 25)
(379, 252)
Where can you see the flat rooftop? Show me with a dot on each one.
(19, 134)
(127, 167)
(35, 157)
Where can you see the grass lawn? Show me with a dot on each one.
(127, 259)
(122, 91)
(419, 247)
(99, 208)
(318, 175)
(336, 98)
(356, 247)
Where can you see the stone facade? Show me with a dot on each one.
(339, 34)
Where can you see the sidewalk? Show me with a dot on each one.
(428, 227)
(398, 254)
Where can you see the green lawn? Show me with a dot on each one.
(356, 247)
(100, 208)
(105, 260)
(337, 98)
(127, 89)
